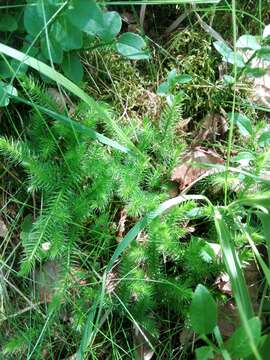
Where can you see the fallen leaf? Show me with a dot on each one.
(212, 125)
(3, 229)
(260, 88)
(228, 318)
(223, 283)
(47, 279)
(186, 173)
(121, 224)
(142, 343)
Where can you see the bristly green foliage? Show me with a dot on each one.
(76, 180)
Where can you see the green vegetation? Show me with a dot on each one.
(135, 188)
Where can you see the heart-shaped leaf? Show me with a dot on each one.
(243, 123)
(51, 50)
(203, 311)
(8, 23)
(86, 16)
(248, 42)
(132, 46)
(204, 353)
(72, 67)
(112, 24)
(5, 91)
(67, 35)
(228, 55)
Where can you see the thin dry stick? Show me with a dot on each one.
(142, 15)
(177, 22)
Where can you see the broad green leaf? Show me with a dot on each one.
(183, 79)
(8, 23)
(68, 36)
(171, 76)
(5, 71)
(112, 24)
(204, 353)
(264, 139)
(248, 42)
(72, 67)
(163, 89)
(239, 344)
(263, 53)
(243, 123)
(228, 79)
(33, 22)
(228, 54)
(203, 311)
(51, 50)
(132, 46)
(255, 72)
(266, 31)
(86, 16)
(5, 91)
(244, 157)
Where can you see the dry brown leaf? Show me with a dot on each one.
(223, 283)
(3, 229)
(228, 319)
(186, 173)
(260, 85)
(46, 280)
(212, 125)
(121, 224)
(142, 343)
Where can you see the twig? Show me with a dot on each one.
(177, 22)
(142, 15)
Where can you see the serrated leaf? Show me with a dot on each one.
(51, 50)
(239, 344)
(228, 54)
(72, 67)
(243, 123)
(248, 42)
(67, 35)
(203, 311)
(112, 24)
(132, 46)
(8, 23)
(204, 353)
(86, 16)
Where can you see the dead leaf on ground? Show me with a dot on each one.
(260, 85)
(211, 126)
(3, 229)
(187, 172)
(121, 224)
(47, 279)
(228, 315)
(142, 343)
(228, 318)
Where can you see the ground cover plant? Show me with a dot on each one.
(135, 188)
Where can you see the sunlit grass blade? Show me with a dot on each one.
(78, 127)
(237, 279)
(233, 266)
(60, 79)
